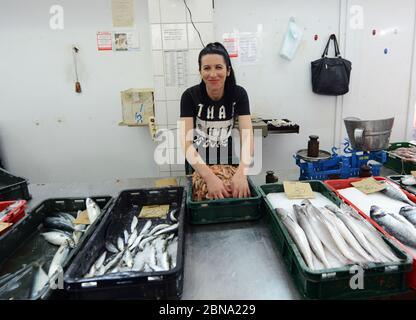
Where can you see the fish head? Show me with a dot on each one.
(407, 210)
(376, 212)
(282, 213)
(306, 202)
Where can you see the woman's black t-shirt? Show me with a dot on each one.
(214, 120)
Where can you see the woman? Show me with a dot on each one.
(211, 108)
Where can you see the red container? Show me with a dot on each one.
(15, 215)
(338, 184)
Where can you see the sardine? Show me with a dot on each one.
(298, 236)
(39, 281)
(93, 210)
(134, 223)
(58, 259)
(313, 239)
(112, 263)
(120, 244)
(152, 259)
(145, 241)
(146, 227)
(409, 212)
(171, 228)
(110, 247)
(158, 227)
(136, 242)
(401, 231)
(395, 193)
(172, 215)
(66, 216)
(100, 260)
(132, 238)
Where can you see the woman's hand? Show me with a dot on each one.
(239, 185)
(216, 188)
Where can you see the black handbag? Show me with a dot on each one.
(331, 76)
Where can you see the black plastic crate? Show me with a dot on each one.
(130, 284)
(24, 243)
(12, 187)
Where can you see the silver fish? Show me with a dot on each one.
(58, 223)
(39, 282)
(128, 259)
(58, 259)
(145, 241)
(110, 247)
(134, 223)
(67, 216)
(132, 238)
(100, 260)
(172, 250)
(126, 236)
(152, 259)
(164, 261)
(171, 228)
(401, 231)
(146, 227)
(409, 212)
(298, 236)
(136, 242)
(347, 235)
(172, 215)
(100, 271)
(313, 239)
(58, 238)
(158, 227)
(120, 244)
(395, 193)
(323, 234)
(112, 263)
(91, 272)
(93, 210)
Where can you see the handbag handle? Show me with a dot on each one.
(337, 52)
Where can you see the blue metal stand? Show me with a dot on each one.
(340, 166)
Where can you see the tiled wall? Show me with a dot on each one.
(167, 15)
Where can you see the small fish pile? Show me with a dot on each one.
(407, 154)
(61, 230)
(332, 237)
(140, 249)
(199, 186)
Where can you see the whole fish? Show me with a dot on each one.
(58, 259)
(112, 263)
(59, 223)
(395, 193)
(100, 260)
(171, 228)
(395, 227)
(120, 244)
(349, 221)
(323, 234)
(126, 237)
(409, 212)
(298, 236)
(110, 247)
(132, 238)
(347, 235)
(152, 261)
(66, 216)
(133, 225)
(145, 241)
(58, 238)
(136, 242)
(93, 210)
(39, 281)
(313, 239)
(146, 227)
(172, 215)
(339, 240)
(158, 227)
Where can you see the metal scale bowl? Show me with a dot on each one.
(368, 139)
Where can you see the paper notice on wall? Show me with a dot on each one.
(174, 37)
(104, 41)
(123, 13)
(248, 48)
(126, 41)
(176, 62)
(231, 44)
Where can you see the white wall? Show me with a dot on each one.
(380, 83)
(77, 137)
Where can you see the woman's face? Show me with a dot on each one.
(214, 71)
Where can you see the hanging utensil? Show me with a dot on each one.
(77, 84)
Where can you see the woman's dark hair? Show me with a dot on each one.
(230, 82)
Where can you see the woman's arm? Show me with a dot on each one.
(216, 188)
(240, 188)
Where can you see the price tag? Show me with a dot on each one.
(157, 211)
(368, 185)
(82, 218)
(413, 173)
(166, 182)
(298, 190)
(4, 225)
